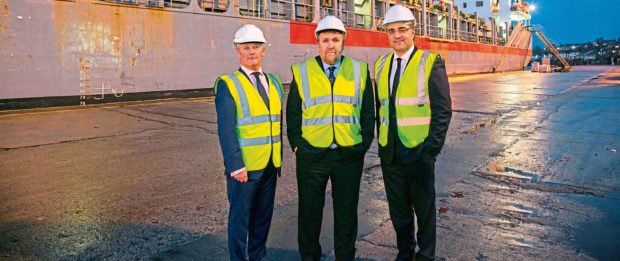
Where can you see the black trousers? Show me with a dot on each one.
(411, 188)
(312, 177)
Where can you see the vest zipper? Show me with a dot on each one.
(333, 126)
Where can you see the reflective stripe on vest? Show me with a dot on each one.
(309, 102)
(259, 141)
(325, 113)
(328, 120)
(384, 102)
(257, 119)
(258, 127)
(412, 108)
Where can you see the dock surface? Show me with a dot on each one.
(530, 171)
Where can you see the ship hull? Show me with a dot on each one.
(95, 49)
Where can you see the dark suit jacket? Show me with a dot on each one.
(441, 113)
(305, 151)
(227, 129)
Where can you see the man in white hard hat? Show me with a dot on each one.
(249, 108)
(413, 115)
(330, 126)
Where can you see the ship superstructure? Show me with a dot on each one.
(104, 49)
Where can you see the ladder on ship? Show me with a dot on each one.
(515, 38)
(539, 31)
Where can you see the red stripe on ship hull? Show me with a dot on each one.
(303, 33)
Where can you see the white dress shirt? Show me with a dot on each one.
(403, 64)
(263, 79)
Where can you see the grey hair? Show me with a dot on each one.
(235, 45)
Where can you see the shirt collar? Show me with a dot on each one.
(249, 72)
(337, 65)
(406, 55)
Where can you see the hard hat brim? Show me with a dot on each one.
(399, 21)
(258, 42)
(316, 34)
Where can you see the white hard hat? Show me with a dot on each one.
(248, 33)
(398, 13)
(330, 22)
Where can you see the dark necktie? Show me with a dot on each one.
(261, 89)
(396, 79)
(331, 77)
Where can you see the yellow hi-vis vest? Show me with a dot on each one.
(413, 110)
(258, 127)
(328, 114)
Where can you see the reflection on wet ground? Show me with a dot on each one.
(481, 125)
(551, 192)
(529, 171)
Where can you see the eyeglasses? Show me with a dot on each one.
(401, 30)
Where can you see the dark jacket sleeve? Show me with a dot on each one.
(227, 128)
(377, 107)
(293, 116)
(441, 108)
(367, 117)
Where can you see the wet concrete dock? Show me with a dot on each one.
(530, 170)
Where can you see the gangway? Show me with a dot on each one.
(539, 31)
(515, 38)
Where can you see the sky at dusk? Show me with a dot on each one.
(573, 21)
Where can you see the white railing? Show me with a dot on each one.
(448, 34)
(485, 39)
(418, 29)
(440, 32)
(303, 10)
(349, 18)
(154, 3)
(213, 5)
(253, 8)
(467, 36)
(277, 9)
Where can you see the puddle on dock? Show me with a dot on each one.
(533, 181)
(500, 221)
(519, 209)
(481, 125)
(521, 243)
(498, 170)
(457, 195)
